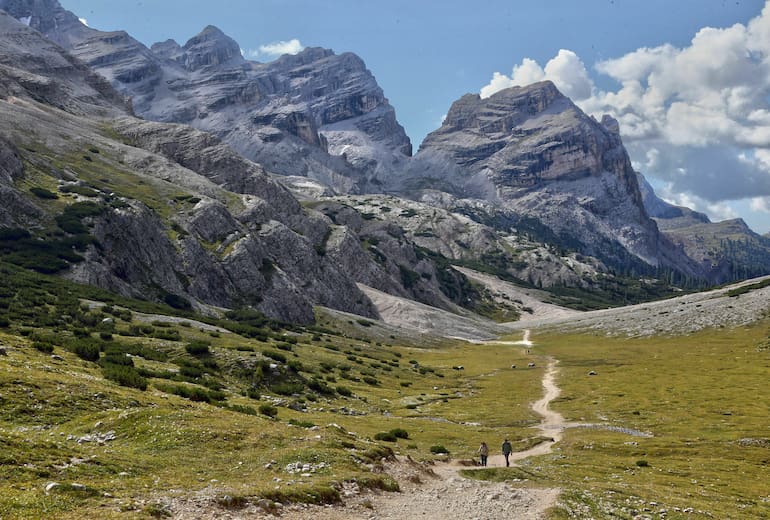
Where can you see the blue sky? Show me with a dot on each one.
(692, 101)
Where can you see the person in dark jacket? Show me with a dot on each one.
(507, 450)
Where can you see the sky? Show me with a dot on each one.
(688, 80)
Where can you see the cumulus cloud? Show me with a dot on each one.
(696, 117)
(275, 49)
(566, 70)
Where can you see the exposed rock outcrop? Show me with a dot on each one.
(547, 160)
(286, 114)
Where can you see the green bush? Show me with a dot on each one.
(400, 433)
(176, 301)
(43, 193)
(277, 356)
(286, 388)
(198, 348)
(301, 424)
(268, 410)
(369, 380)
(438, 449)
(124, 376)
(86, 350)
(44, 347)
(321, 387)
(344, 391)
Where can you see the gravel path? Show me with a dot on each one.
(437, 492)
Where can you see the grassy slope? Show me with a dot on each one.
(704, 398)
(166, 445)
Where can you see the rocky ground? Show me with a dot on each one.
(681, 315)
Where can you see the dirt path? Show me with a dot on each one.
(438, 492)
(432, 492)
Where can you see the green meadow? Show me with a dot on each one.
(111, 407)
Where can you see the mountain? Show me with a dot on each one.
(727, 250)
(522, 185)
(157, 210)
(316, 114)
(533, 152)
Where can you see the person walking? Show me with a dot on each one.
(483, 453)
(507, 450)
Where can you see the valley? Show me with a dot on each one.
(232, 289)
(633, 433)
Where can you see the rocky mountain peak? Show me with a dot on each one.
(168, 49)
(211, 47)
(47, 17)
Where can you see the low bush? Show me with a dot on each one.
(438, 449)
(124, 376)
(198, 348)
(268, 410)
(400, 433)
(344, 391)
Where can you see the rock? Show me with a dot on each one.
(536, 153)
(3, 351)
(591, 373)
(51, 486)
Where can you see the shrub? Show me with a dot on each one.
(177, 302)
(344, 391)
(385, 436)
(295, 366)
(43, 193)
(247, 410)
(88, 351)
(321, 387)
(4, 322)
(272, 354)
(438, 449)
(268, 410)
(287, 388)
(46, 348)
(253, 393)
(198, 348)
(642, 463)
(284, 346)
(124, 376)
(369, 380)
(301, 424)
(400, 433)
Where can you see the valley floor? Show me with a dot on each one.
(431, 492)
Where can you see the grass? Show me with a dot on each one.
(704, 398)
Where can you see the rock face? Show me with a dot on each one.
(316, 114)
(174, 213)
(726, 250)
(36, 67)
(535, 153)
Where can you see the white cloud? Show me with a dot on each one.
(760, 204)
(566, 70)
(275, 49)
(83, 21)
(696, 117)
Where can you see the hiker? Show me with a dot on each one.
(507, 450)
(483, 453)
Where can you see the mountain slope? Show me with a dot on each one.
(727, 250)
(316, 114)
(531, 151)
